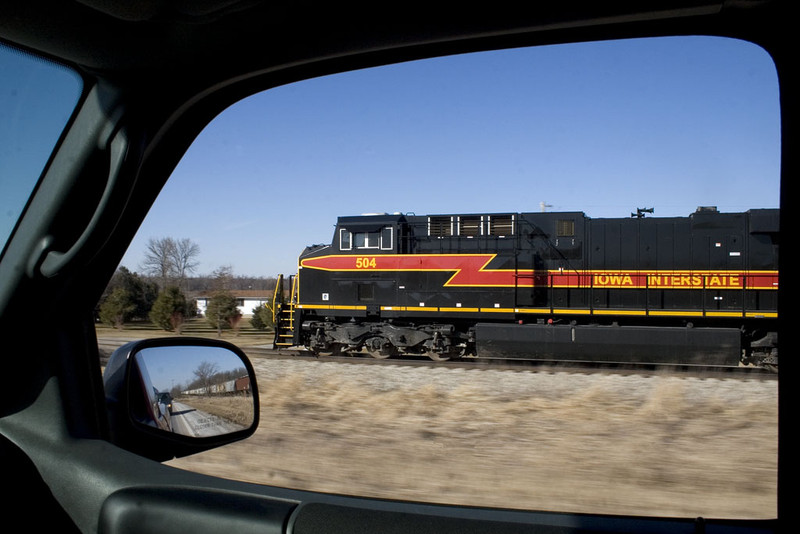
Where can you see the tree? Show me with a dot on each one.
(170, 260)
(170, 309)
(262, 317)
(222, 311)
(158, 259)
(184, 258)
(205, 373)
(117, 308)
(222, 278)
(142, 293)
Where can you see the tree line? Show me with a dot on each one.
(160, 293)
(206, 375)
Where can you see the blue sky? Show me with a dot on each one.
(602, 128)
(36, 101)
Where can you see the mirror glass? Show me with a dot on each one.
(194, 391)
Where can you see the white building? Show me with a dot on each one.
(246, 300)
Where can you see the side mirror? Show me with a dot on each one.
(172, 397)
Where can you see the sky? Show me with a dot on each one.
(168, 367)
(603, 128)
(36, 101)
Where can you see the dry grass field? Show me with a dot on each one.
(534, 440)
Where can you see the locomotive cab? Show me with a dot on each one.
(346, 279)
(369, 234)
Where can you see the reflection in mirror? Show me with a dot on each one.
(192, 390)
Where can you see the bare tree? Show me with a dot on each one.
(205, 373)
(184, 258)
(169, 260)
(158, 259)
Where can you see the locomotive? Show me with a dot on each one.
(694, 290)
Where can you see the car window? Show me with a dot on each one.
(37, 99)
(471, 149)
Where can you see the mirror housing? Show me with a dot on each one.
(171, 397)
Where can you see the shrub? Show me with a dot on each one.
(117, 308)
(222, 311)
(169, 310)
(262, 318)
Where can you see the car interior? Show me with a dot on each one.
(152, 75)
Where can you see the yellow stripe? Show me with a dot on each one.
(329, 307)
(611, 311)
(569, 311)
(555, 311)
(677, 313)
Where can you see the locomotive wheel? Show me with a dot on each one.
(379, 348)
(451, 352)
(334, 350)
(437, 356)
(379, 354)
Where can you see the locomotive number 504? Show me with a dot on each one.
(365, 263)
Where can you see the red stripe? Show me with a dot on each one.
(470, 270)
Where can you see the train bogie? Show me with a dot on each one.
(382, 339)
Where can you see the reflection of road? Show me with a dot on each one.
(190, 421)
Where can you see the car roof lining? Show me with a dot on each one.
(168, 36)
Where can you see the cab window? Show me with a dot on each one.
(367, 239)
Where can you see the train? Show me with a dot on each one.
(239, 385)
(700, 289)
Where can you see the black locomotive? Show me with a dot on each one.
(689, 290)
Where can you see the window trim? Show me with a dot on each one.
(342, 233)
(391, 238)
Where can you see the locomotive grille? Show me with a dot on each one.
(440, 226)
(565, 228)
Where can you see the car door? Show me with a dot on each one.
(132, 123)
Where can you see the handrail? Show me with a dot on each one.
(293, 294)
(276, 295)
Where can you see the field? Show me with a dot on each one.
(617, 444)
(550, 441)
(244, 335)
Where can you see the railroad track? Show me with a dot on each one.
(522, 365)
(107, 346)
